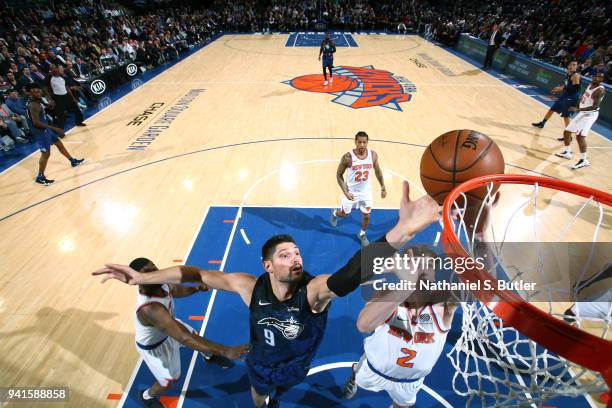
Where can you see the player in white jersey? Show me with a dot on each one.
(581, 124)
(357, 189)
(159, 335)
(407, 340)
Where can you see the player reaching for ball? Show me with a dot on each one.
(408, 336)
(357, 190)
(287, 306)
(160, 335)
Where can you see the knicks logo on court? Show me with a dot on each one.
(290, 329)
(360, 87)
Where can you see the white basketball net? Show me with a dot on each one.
(496, 365)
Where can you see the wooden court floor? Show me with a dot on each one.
(246, 137)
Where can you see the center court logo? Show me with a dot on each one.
(360, 87)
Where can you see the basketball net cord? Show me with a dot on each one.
(497, 365)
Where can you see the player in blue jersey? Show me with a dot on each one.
(287, 306)
(328, 48)
(570, 96)
(45, 134)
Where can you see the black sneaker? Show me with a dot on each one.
(80, 124)
(221, 361)
(538, 124)
(76, 162)
(44, 181)
(272, 403)
(149, 403)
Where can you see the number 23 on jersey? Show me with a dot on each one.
(362, 175)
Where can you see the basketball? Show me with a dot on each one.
(458, 156)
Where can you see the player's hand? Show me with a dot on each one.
(414, 216)
(573, 109)
(319, 58)
(236, 352)
(122, 273)
(60, 132)
(556, 90)
(202, 288)
(383, 192)
(350, 196)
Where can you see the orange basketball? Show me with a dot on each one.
(458, 156)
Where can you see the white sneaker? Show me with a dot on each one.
(325, 83)
(331, 80)
(565, 155)
(581, 163)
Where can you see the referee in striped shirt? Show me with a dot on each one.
(63, 98)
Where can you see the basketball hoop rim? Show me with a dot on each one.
(580, 347)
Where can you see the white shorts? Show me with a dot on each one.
(363, 201)
(164, 361)
(595, 308)
(582, 122)
(402, 393)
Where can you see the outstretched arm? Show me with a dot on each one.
(377, 311)
(240, 283)
(179, 291)
(156, 315)
(414, 216)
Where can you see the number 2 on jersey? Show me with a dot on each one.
(404, 361)
(362, 175)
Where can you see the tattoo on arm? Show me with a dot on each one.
(345, 163)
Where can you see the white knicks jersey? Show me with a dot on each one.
(148, 335)
(587, 97)
(360, 173)
(406, 347)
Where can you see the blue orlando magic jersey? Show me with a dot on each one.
(571, 89)
(283, 332)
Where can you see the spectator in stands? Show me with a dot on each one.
(10, 78)
(8, 120)
(17, 105)
(80, 68)
(39, 77)
(25, 78)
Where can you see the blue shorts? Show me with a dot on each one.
(328, 62)
(563, 104)
(267, 379)
(45, 138)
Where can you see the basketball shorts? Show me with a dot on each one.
(598, 306)
(164, 361)
(581, 123)
(328, 62)
(44, 138)
(362, 201)
(563, 104)
(402, 393)
(267, 379)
